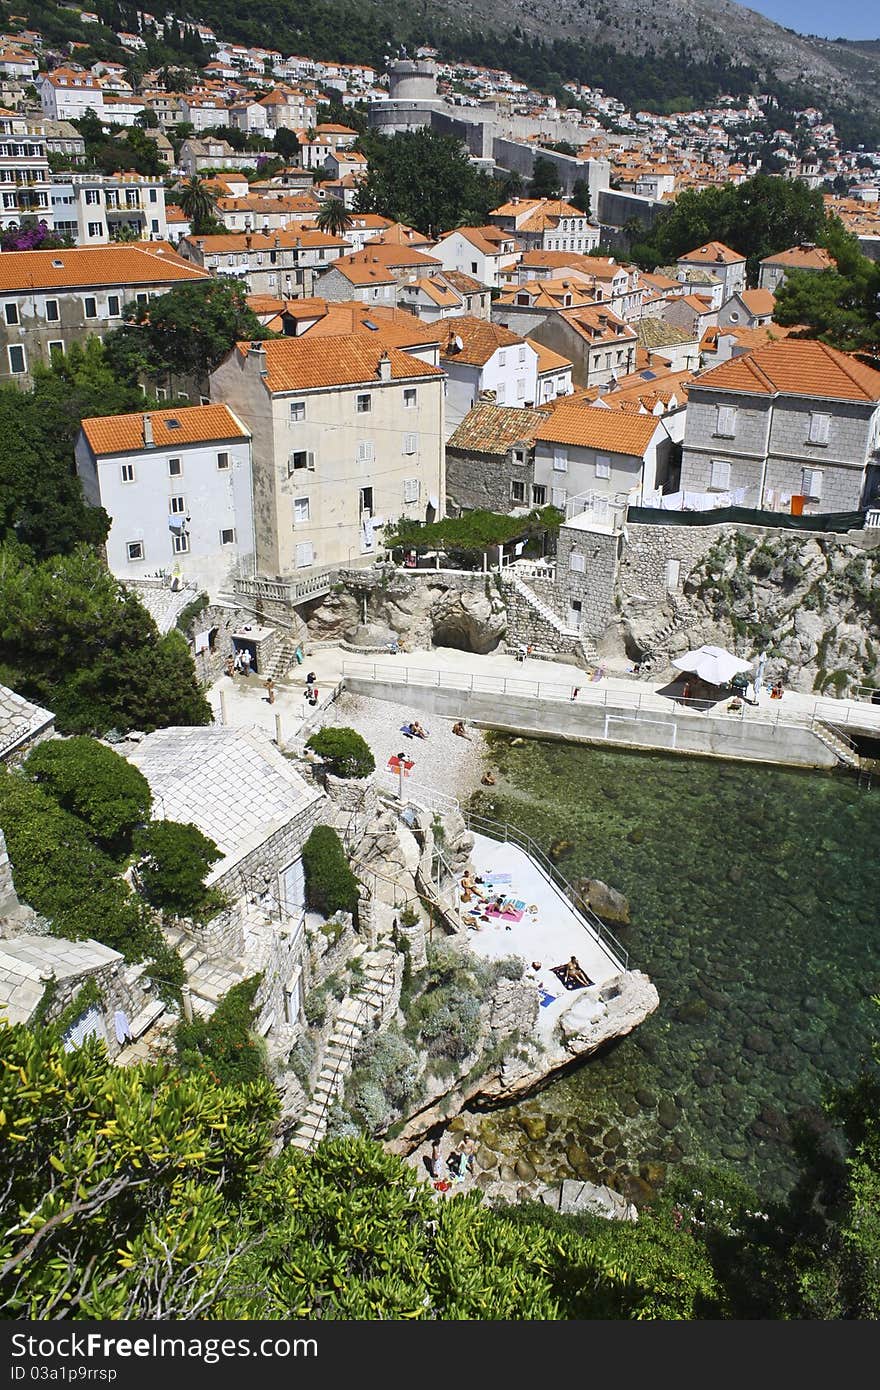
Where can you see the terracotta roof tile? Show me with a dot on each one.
(92, 266)
(548, 360)
(712, 253)
(480, 338)
(654, 333)
(593, 427)
(758, 302)
(796, 367)
(307, 363)
(196, 424)
(802, 258)
(493, 429)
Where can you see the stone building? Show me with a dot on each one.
(51, 299)
(490, 459)
(243, 794)
(793, 419)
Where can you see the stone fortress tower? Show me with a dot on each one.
(411, 79)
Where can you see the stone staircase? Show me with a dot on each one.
(658, 644)
(279, 666)
(841, 745)
(207, 977)
(541, 608)
(355, 1017)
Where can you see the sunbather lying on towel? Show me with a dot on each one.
(572, 974)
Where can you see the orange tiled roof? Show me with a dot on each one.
(306, 364)
(598, 325)
(480, 338)
(593, 427)
(196, 424)
(284, 238)
(713, 253)
(493, 429)
(758, 302)
(548, 360)
(93, 266)
(796, 367)
(802, 258)
(387, 326)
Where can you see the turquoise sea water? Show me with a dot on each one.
(755, 900)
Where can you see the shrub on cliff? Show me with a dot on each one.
(344, 752)
(330, 884)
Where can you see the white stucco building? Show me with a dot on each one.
(177, 487)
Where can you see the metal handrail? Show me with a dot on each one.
(832, 711)
(497, 830)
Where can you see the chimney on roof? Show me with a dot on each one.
(248, 240)
(384, 367)
(148, 432)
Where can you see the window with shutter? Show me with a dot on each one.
(812, 483)
(300, 510)
(603, 466)
(305, 554)
(576, 562)
(365, 451)
(560, 460)
(725, 421)
(410, 489)
(559, 497)
(719, 479)
(819, 427)
(410, 443)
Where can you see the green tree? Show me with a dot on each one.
(96, 784)
(73, 638)
(426, 180)
(122, 1185)
(224, 1044)
(334, 218)
(198, 201)
(187, 331)
(344, 751)
(580, 196)
(545, 178)
(330, 884)
(286, 144)
(172, 862)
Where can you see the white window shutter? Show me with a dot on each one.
(819, 426)
(560, 460)
(576, 561)
(365, 451)
(603, 467)
(310, 460)
(305, 554)
(720, 476)
(726, 420)
(410, 443)
(812, 483)
(411, 490)
(559, 497)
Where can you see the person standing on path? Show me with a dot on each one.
(246, 662)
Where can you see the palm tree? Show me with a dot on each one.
(334, 218)
(197, 201)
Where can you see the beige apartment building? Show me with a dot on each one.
(347, 436)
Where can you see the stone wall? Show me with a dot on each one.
(420, 607)
(593, 587)
(527, 627)
(482, 481)
(117, 992)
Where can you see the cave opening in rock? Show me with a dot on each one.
(464, 637)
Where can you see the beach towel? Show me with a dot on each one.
(509, 914)
(597, 675)
(498, 878)
(559, 972)
(404, 729)
(546, 998)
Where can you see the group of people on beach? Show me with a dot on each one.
(455, 1168)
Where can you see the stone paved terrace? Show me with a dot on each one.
(20, 721)
(551, 935)
(26, 962)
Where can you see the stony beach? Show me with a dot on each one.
(443, 762)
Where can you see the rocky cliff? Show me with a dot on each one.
(813, 603)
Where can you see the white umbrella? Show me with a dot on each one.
(759, 674)
(713, 665)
